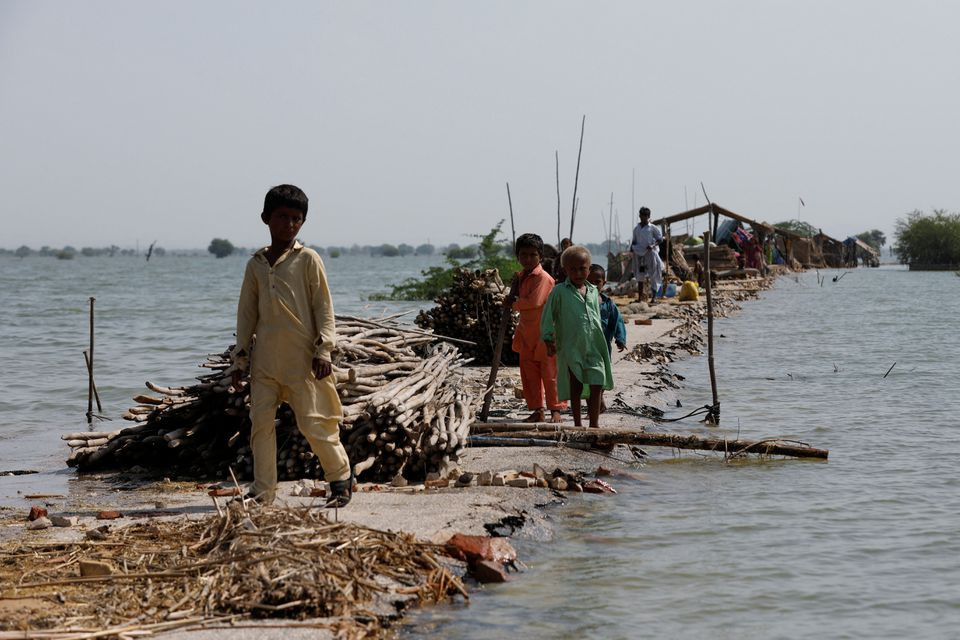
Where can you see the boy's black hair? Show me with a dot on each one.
(644, 211)
(529, 240)
(284, 195)
(596, 268)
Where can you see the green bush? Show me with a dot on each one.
(928, 239)
(435, 280)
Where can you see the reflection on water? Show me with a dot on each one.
(863, 546)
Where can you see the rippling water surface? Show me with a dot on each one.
(154, 321)
(863, 546)
(866, 545)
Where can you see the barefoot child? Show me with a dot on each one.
(528, 293)
(285, 301)
(610, 318)
(571, 329)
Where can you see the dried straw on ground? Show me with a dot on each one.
(288, 563)
(406, 412)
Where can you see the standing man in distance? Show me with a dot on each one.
(646, 252)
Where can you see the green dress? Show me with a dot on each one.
(573, 323)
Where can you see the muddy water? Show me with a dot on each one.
(863, 546)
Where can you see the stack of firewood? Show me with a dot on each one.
(406, 412)
(471, 309)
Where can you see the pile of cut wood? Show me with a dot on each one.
(471, 309)
(406, 412)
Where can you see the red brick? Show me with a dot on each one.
(488, 571)
(475, 548)
(36, 512)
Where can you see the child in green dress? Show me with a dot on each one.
(570, 327)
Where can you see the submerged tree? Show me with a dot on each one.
(875, 238)
(220, 247)
(930, 240)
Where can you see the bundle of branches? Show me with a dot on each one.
(154, 576)
(405, 412)
(471, 309)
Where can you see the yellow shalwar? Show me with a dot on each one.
(289, 308)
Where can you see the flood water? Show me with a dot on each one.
(866, 545)
(863, 546)
(153, 321)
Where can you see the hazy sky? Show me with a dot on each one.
(402, 121)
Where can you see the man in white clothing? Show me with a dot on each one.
(646, 252)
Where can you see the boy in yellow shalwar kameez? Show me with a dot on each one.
(286, 303)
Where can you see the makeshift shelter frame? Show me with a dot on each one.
(761, 229)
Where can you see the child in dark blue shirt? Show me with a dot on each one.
(610, 318)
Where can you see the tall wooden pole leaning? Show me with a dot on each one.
(576, 179)
(506, 314)
(505, 318)
(90, 368)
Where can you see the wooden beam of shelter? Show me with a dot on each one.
(601, 437)
(705, 209)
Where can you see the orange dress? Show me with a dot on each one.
(538, 371)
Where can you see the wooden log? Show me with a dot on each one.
(603, 437)
(167, 391)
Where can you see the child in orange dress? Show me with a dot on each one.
(529, 291)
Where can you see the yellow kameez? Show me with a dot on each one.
(289, 308)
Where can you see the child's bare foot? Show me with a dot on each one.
(536, 416)
(555, 417)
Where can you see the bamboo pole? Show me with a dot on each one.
(90, 368)
(521, 432)
(96, 394)
(610, 226)
(513, 229)
(576, 179)
(495, 365)
(556, 155)
(714, 416)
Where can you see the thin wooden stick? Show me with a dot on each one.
(90, 368)
(96, 394)
(556, 155)
(576, 179)
(513, 229)
(505, 318)
(714, 416)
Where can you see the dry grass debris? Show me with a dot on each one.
(241, 563)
